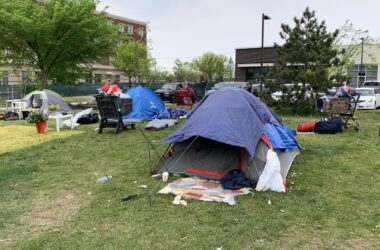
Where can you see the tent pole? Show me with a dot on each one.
(162, 157)
(151, 145)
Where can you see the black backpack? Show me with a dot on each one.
(332, 126)
(88, 119)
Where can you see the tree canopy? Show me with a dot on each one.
(308, 53)
(214, 67)
(183, 71)
(59, 37)
(350, 39)
(134, 60)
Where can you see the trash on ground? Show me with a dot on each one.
(165, 176)
(104, 179)
(142, 186)
(156, 176)
(269, 202)
(130, 197)
(178, 201)
(204, 190)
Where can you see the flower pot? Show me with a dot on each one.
(41, 127)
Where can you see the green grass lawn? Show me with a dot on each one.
(49, 198)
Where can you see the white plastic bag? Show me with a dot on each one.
(271, 178)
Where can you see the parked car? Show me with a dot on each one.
(167, 91)
(278, 94)
(369, 98)
(221, 85)
(371, 84)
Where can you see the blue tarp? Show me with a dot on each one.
(146, 104)
(281, 138)
(232, 116)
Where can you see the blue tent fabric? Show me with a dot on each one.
(230, 115)
(281, 138)
(146, 104)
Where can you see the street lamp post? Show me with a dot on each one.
(263, 18)
(230, 64)
(361, 65)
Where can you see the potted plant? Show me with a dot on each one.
(53, 109)
(40, 119)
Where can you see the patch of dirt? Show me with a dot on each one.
(53, 211)
(42, 216)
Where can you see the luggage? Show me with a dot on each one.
(332, 126)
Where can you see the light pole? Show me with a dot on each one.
(263, 18)
(230, 64)
(361, 65)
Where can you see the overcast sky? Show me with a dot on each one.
(187, 28)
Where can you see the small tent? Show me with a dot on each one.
(146, 103)
(230, 129)
(42, 99)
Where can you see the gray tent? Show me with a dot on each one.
(43, 99)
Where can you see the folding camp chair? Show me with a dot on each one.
(112, 109)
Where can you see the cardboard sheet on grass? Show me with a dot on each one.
(195, 188)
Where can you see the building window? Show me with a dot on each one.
(253, 74)
(122, 28)
(98, 78)
(370, 71)
(5, 78)
(130, 29)
(141, 32)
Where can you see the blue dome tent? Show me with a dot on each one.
(232, 129)
(146, 104)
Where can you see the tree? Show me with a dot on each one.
(350, 39)
(134, 60)
(213, 66)
(183, 71)
(59, 37)
(308, 54)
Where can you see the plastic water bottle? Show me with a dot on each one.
(104, 179)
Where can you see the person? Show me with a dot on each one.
(189, 90)
(345, 91)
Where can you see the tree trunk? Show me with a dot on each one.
(44, 79)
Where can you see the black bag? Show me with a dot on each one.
(88, 119)
(235, 180)
(332, 126)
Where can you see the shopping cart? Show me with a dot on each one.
(342, 107)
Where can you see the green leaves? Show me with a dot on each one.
(215, 67)
(58, 36)
(133, 59)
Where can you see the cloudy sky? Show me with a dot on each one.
(187, 28)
